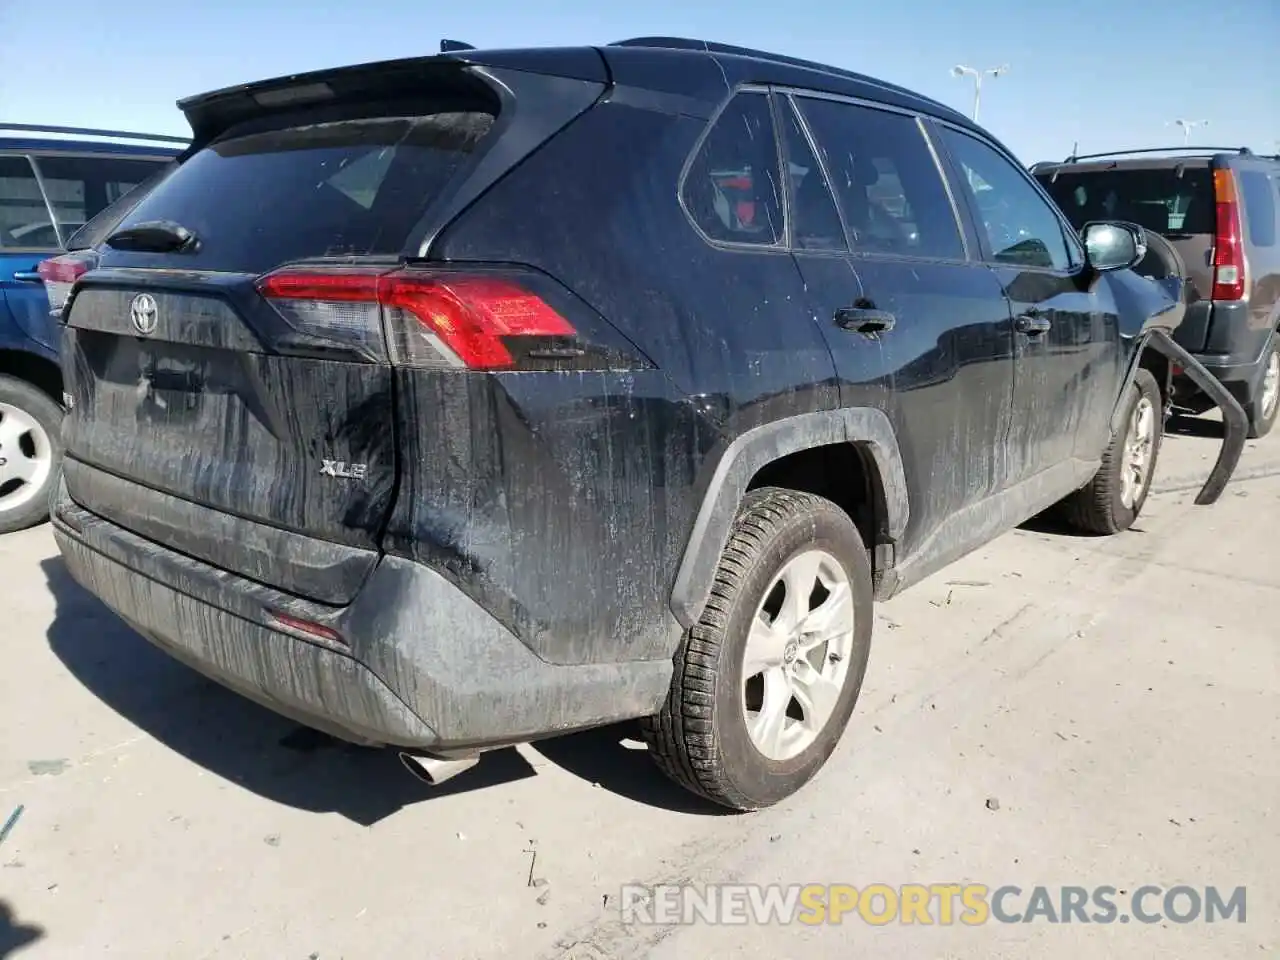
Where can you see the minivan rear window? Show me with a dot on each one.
(1163, 200)
(353, 187)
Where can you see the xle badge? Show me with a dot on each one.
(343, 470)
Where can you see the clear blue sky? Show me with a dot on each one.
(1109, 73)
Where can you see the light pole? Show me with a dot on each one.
(1187, 126)
(960, 70)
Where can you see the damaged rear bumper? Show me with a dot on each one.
(411, 662)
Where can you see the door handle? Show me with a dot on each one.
(1032, 324)
(27, 276)
(865, 320)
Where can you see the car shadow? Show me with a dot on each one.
(1184, 426)
(615, 758)
(1052, 523)
(278, 759)
(14, 935)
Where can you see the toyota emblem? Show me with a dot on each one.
(144, 313)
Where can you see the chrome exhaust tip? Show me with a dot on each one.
(435, 770)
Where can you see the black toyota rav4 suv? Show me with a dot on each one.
(454, 402)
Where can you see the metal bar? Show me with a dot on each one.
(1234, 420)
(48, 204)
(91, 132)
(1178, 149)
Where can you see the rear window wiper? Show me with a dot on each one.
(154, 236)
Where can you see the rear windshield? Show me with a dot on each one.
(344, 188)
(1160, 200)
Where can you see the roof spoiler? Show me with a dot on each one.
(212, 113)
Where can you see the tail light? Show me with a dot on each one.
(60, 275)
(416, 318)
(1229, 267)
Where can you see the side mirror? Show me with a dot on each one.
(1114, 246)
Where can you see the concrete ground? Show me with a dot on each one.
(1117, 701)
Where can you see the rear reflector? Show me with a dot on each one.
(306, 628)
(415, 318)
(60, 275)
(1229, 266)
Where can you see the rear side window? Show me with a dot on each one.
(24, 218)
(79, 188)
(890, 191)
(732, 190)
(1163, 200)
(1259, 207)
(102, 223)
(344, 188)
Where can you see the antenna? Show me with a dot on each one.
(451, 46)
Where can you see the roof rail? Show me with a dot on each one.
(91, 132)
(710, 46)
(1243, 151)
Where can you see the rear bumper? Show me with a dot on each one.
(1229, 343)
(420, 667)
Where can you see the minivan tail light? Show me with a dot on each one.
(1229, 267)
(60, 275)
(415, 318)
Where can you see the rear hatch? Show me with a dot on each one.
(260, 437)
(1175, 199)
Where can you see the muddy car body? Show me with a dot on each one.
(520, 431)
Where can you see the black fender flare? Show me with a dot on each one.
(865, 426)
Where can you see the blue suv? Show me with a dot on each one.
(53, 180)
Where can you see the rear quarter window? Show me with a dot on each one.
(81, 187)
(732, 190)
(1259, 190)
(346, 188)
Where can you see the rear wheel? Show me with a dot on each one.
(1114, 497)
(765, 683)
(30, 450)
(1266, 400)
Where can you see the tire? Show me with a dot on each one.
(30, 453)
(1106, 505)
(1264, 404)
(701, 738)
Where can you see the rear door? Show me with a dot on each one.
(915, 327)
(188, 382)
(44, 198)
(27, 236)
